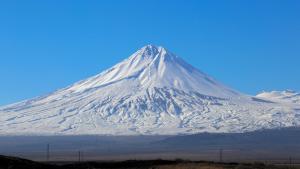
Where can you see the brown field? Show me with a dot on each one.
(7, 162)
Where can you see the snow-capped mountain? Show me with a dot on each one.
(151, 92)
(288, 96)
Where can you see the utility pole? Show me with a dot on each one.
(79, 156)
(48, 152)
(221, 155)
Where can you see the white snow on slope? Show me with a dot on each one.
(151, 92)
(154, 66)
(287, 96)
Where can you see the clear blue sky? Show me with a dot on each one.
(249, 45)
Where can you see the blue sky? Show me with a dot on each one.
(248, 45)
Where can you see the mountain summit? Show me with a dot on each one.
(153, 66)
(152, 92)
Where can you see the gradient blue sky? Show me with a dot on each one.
(249, 45)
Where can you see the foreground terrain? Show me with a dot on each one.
(18, 163)
(265, 146)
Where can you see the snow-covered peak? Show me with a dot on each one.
(285, 96)
(152, 52)
(151, 92)
(153, 66)
(277, 94)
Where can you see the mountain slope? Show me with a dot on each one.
(151, 92)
